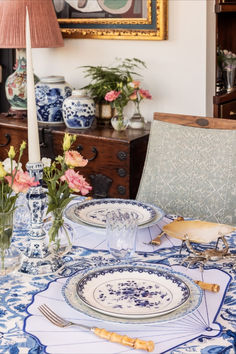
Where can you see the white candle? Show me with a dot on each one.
(33, 134)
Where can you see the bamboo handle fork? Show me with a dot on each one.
(100, 332)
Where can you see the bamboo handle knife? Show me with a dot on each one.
(215, 288)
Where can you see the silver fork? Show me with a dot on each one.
(100, 332)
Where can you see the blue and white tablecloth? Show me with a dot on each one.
(211, 329)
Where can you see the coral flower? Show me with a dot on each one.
(76, 182)
(75, 159)
(136, 84)
(112, 95)
(22, 182)
(145, 94)
(134, 96)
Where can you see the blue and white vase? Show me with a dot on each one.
(78, 110)
(50, 92)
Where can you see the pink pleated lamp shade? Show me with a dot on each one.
(45, 30)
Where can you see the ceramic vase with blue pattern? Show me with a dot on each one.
(50, 92)
(78, 110)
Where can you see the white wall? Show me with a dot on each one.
(177, 74)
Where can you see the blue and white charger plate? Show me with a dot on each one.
(190, 295)
(93, 212)
(132, 292)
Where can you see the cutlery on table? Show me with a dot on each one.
(100, 332)
(215, 288)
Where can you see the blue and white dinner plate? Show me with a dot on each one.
(93, 212)
(133, 293)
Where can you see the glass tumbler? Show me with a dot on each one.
(121, 230)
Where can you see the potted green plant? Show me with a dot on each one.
(107, 78)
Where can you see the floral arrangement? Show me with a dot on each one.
(125, 93)
(119, 98)
(139, 94)
(108, 78)
(62, 180)
(226, 59)
(12, 182)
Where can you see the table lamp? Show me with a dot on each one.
(12, 35)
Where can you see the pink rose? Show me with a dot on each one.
(112, 95)
(74, 159)
(145, 94)
(22, 182)
(134, 96)
(76, 182)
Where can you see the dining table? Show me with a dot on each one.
(206, 325)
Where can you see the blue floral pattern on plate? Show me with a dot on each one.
(133, 292)
(94, 212)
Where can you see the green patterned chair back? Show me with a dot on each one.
(190, 167)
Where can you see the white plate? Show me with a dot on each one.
(192, 302)
(132, 292)
(93, 213)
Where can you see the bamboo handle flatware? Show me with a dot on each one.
(215, 288)
(100, 332)
(125, 340)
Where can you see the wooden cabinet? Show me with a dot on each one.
(116, 159)
(225, 103)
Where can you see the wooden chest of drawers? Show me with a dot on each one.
(115, 158)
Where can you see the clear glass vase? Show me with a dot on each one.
(137, 120)
(10, 255)
(119, 122)
(60, 233)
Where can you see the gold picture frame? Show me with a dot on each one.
(150, 25)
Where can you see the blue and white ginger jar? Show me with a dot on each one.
(50, 92)
(79, 110)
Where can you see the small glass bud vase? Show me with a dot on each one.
(10, 256)
(137, 120)
(119, 123)
(60, 234)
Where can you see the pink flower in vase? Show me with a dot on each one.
(75, 159)
(76, 182)
(145, 94)
(112, 95)
(21, 182)
(134, 96)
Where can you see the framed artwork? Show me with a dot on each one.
(113, 19)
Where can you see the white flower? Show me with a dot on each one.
(7, 165)
(46, 162)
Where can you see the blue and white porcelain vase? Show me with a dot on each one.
(79, 110)
(50, 92)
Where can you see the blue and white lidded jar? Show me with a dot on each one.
(79, 110)
(50, 93)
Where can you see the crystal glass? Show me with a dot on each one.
(121, 230)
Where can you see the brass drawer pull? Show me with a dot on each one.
(232, 113)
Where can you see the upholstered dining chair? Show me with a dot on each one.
(190, 167)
